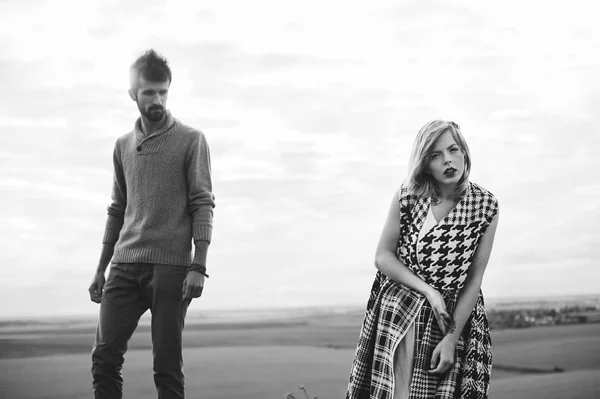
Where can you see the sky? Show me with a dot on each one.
(310, 110)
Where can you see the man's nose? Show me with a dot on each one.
(157, 100)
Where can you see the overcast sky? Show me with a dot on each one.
(310, 109)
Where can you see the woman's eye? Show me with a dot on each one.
(434, 156)
(453, 149)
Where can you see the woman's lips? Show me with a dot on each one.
(449, 171)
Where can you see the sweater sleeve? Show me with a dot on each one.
(116, 210)
(201, 200)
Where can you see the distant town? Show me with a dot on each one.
(544, 313)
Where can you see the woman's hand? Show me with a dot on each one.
(443, 356)
(436, 300)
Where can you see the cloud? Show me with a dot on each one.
(330, 109)
(430, 12)
(310, 129)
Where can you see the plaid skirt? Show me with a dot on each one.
(391, 310)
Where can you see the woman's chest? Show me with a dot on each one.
(441, 209)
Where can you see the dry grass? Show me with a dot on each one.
(267, 361)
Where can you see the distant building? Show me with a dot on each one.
(583, 317)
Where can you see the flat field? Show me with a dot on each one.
(265, 359)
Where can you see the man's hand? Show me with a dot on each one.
(96, 287)
(192, 285)
(443, 356)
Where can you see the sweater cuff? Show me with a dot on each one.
(110, 236)
(202, 233)
(112, 229)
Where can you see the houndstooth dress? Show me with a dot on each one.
(445, 254)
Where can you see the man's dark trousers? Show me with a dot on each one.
(130, 290)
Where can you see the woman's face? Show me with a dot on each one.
(446, 161)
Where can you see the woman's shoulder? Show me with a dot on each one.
(480, 192)
(483, 199)
(405, 196)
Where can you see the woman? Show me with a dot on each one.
(425, 333)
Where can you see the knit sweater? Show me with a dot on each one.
(162, 195)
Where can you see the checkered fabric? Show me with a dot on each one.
(441, 258)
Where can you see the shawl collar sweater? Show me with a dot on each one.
(162, 195)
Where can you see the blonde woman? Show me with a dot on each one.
(425, 333)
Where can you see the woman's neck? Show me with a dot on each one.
(447, 191)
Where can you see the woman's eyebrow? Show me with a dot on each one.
(450, 146)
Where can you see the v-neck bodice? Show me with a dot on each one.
(440, 252)
(429, 223)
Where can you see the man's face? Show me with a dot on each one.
(151, 99)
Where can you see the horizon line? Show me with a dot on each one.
(283, 308)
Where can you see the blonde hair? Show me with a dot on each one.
(419, 182)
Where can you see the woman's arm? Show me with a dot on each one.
(466, 301)
(468, 295)
(385, 255)
(388, 264)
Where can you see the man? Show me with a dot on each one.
(161, 200)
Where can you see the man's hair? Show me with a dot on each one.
(150, 66)
(419, 182)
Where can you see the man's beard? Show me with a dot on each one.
(154, 113)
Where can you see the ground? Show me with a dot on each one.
(264, 360)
